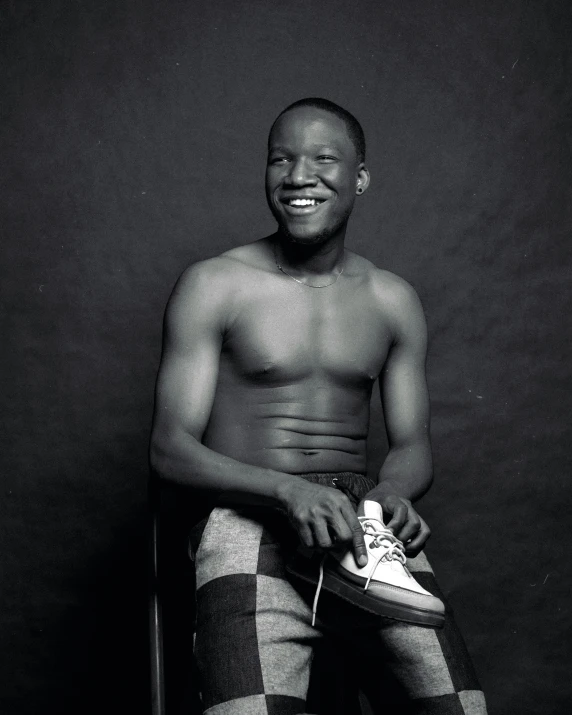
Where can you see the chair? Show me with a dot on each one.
(155, 613)
(172, 513)
(164, 536)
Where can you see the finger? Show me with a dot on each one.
(338, 521)
(340, 532)
(306, 536)
(321, 535)
(417, 544)
(411, 527)
(359, 549)
(398, 519)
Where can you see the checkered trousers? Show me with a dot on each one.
(255, 643)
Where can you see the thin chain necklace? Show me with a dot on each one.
(308, 285)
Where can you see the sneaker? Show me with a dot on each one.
(384, 586)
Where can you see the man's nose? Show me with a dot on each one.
(300, 174)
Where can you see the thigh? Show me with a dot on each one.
(426, 671)
(254, 636)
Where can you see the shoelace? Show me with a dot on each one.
(394, 551)
(318, 589)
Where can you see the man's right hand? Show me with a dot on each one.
(324, 518)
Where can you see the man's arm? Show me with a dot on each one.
(407, 471)
(195, 322)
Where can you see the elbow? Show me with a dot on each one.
(158, 457)
(172, 455)
(428, 481)
(426, 475)
(164, 451)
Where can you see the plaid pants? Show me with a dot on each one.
(255, 644)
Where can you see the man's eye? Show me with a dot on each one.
(326, 158)
(278, 160)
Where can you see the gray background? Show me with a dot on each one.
(133, 142)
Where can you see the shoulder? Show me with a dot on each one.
(211, 287)
(396, 293)
(217, 277)
(256, 255)
(201, 281)
(201, 294)
(389, 290)
(396, 299)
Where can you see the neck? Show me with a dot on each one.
(310, 260)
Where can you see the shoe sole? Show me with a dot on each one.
(339, 585)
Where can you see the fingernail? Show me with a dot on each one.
(362, 560)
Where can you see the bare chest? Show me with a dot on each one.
(294, 334)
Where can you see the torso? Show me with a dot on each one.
(297, 367)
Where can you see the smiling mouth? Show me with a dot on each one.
(302, 203)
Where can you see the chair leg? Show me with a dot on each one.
(155, 616)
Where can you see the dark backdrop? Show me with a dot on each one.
(133, 142)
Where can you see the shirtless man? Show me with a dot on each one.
(270, 354)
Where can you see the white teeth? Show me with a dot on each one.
(302, 202)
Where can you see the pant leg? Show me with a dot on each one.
(254, 638)
(428, 671)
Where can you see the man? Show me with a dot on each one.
(262, 406)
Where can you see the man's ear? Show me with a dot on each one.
(362, 179)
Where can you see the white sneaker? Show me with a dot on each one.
(384, 586)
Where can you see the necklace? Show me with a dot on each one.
(308, 285)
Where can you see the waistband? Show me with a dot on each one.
(355, 486)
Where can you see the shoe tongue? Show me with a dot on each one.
(372, 510)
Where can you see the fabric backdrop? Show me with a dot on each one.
(133, 142)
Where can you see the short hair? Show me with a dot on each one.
(353, 127)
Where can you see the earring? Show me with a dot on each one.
(359, 190)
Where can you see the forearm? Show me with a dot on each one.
(407, 471)
(184, 461)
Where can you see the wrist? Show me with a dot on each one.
(386, 490)
(390, 486)
(283, 487)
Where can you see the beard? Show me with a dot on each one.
(312, 239)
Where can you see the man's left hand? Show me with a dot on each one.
(400, 516)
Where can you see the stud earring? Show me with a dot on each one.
(359, 190)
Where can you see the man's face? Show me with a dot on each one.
(312, 175)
